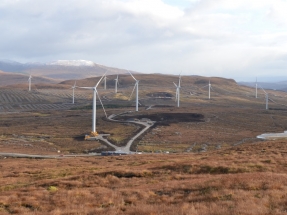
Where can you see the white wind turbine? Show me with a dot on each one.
(105, 82)
(74, 87)
(177, 92)
(209, 86)
(94, 132)
(116, 84)
(266, 98)
(29, 81)
(137, 92)
(256, 88)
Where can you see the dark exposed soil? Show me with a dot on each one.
(169, 117)
(283, 109)
(201, 81)
(159, 94)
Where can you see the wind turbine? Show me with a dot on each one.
(116, 84)
(266, 95)
(74, 87)
(177, 92)
(94, 132)
(209, 86)
(266, 98)
(256, 88)
(105, 82)
(137, 92)
(29, 81)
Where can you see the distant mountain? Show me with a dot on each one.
(72, 63)
(281, 85)
(61, 69)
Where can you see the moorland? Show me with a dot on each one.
(200, 158)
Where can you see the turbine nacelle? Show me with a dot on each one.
(74, 86)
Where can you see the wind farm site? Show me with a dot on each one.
(190, 146)
(196, 115)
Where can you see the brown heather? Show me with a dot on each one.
(238, 174)
(249, 179)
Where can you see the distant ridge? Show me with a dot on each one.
(8, 78)
(60, 69)
(281, 85)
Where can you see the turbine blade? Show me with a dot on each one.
(174, 84)
(100, 80)
(133, 76)
(102, 104)
(263, 90)
(133, 91)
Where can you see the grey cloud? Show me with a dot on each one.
(211, 37)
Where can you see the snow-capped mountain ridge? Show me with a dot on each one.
(60, 69)
(52, 63)
(72, 63)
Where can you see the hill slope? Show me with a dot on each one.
(21, 80)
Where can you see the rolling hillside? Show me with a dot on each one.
(21, 80)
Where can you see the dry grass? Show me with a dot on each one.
(249, 179)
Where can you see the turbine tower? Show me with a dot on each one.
(256, 88)
(266, 98)
(73, 87)
(177, 92)
(137, 92)
(105, 82)
(209, 86)
(116, 84)
(95, 93)
(29, 81)
(266, 95)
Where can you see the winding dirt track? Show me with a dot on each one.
(124, 149)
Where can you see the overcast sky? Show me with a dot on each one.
(229, 38)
